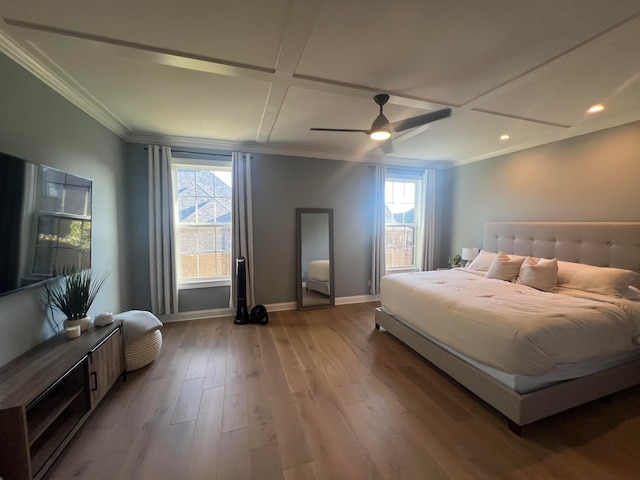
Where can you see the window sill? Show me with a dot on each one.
(408, 269)
(226, 282)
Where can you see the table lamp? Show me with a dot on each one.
(469, 254)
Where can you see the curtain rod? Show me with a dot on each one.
(403, 167)
(202, 153)
(198, 153)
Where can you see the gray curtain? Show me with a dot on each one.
(429, 202)
(378, 266)
(162, 275)
(242, 221)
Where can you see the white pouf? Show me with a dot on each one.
(143, 351)
(142, 338)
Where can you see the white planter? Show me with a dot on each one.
(83, 322)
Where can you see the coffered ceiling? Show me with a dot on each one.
(255, 75)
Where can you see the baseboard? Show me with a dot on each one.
(272, 307)
(197, 315)
(356, 299)
(220, 312)
(281, 307)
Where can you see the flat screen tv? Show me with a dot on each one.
(45, 223)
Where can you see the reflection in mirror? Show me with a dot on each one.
(45, 223)
(314, 278)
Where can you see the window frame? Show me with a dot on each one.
(418, 179)
(197, 164)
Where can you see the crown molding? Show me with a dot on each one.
(270, 149)
(229, 146)
(592, 126)
(464, 160)
(85, 103)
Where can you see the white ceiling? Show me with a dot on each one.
(255, 75)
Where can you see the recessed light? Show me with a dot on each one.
(505, 136)
(596, 108)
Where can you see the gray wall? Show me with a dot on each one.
(196, 299)
(592, 177)
(40, 126)
(137, 184)
(282, 184)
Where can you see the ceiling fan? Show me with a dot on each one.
(381, 128)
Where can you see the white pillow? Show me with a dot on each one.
(602, 280)
(482, 261)
(540, 273)
(505, 268)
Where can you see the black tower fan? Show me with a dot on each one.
(242, 314)
(258, 313)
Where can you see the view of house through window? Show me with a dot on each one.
(203, 223)
(403, 222)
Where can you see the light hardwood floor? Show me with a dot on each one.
(320, 394)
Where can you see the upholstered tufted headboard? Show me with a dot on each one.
(603, 244)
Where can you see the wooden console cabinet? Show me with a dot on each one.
(47, 394)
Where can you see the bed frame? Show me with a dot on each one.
(602, 244)
(319, 286)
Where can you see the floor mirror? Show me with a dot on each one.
(314, 272)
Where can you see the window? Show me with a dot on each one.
(203, 223)
(403, 221)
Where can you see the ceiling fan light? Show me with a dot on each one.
(380, 135)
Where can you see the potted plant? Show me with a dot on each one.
(455, 261)
(73, 296)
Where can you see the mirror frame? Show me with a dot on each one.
(332, 290)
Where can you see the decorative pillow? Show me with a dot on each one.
(505, 268)
(602, 280)
(540, 273)
(482, 261)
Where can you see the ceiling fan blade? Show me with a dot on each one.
(340, 130)
(386, 146)
(420, 120)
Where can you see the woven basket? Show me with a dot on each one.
(143, 351)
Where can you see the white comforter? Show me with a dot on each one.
(514, 328)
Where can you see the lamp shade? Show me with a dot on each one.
(469, 253)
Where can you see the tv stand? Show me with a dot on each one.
(47, 394)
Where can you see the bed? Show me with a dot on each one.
(318, 276)
(525, 369)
